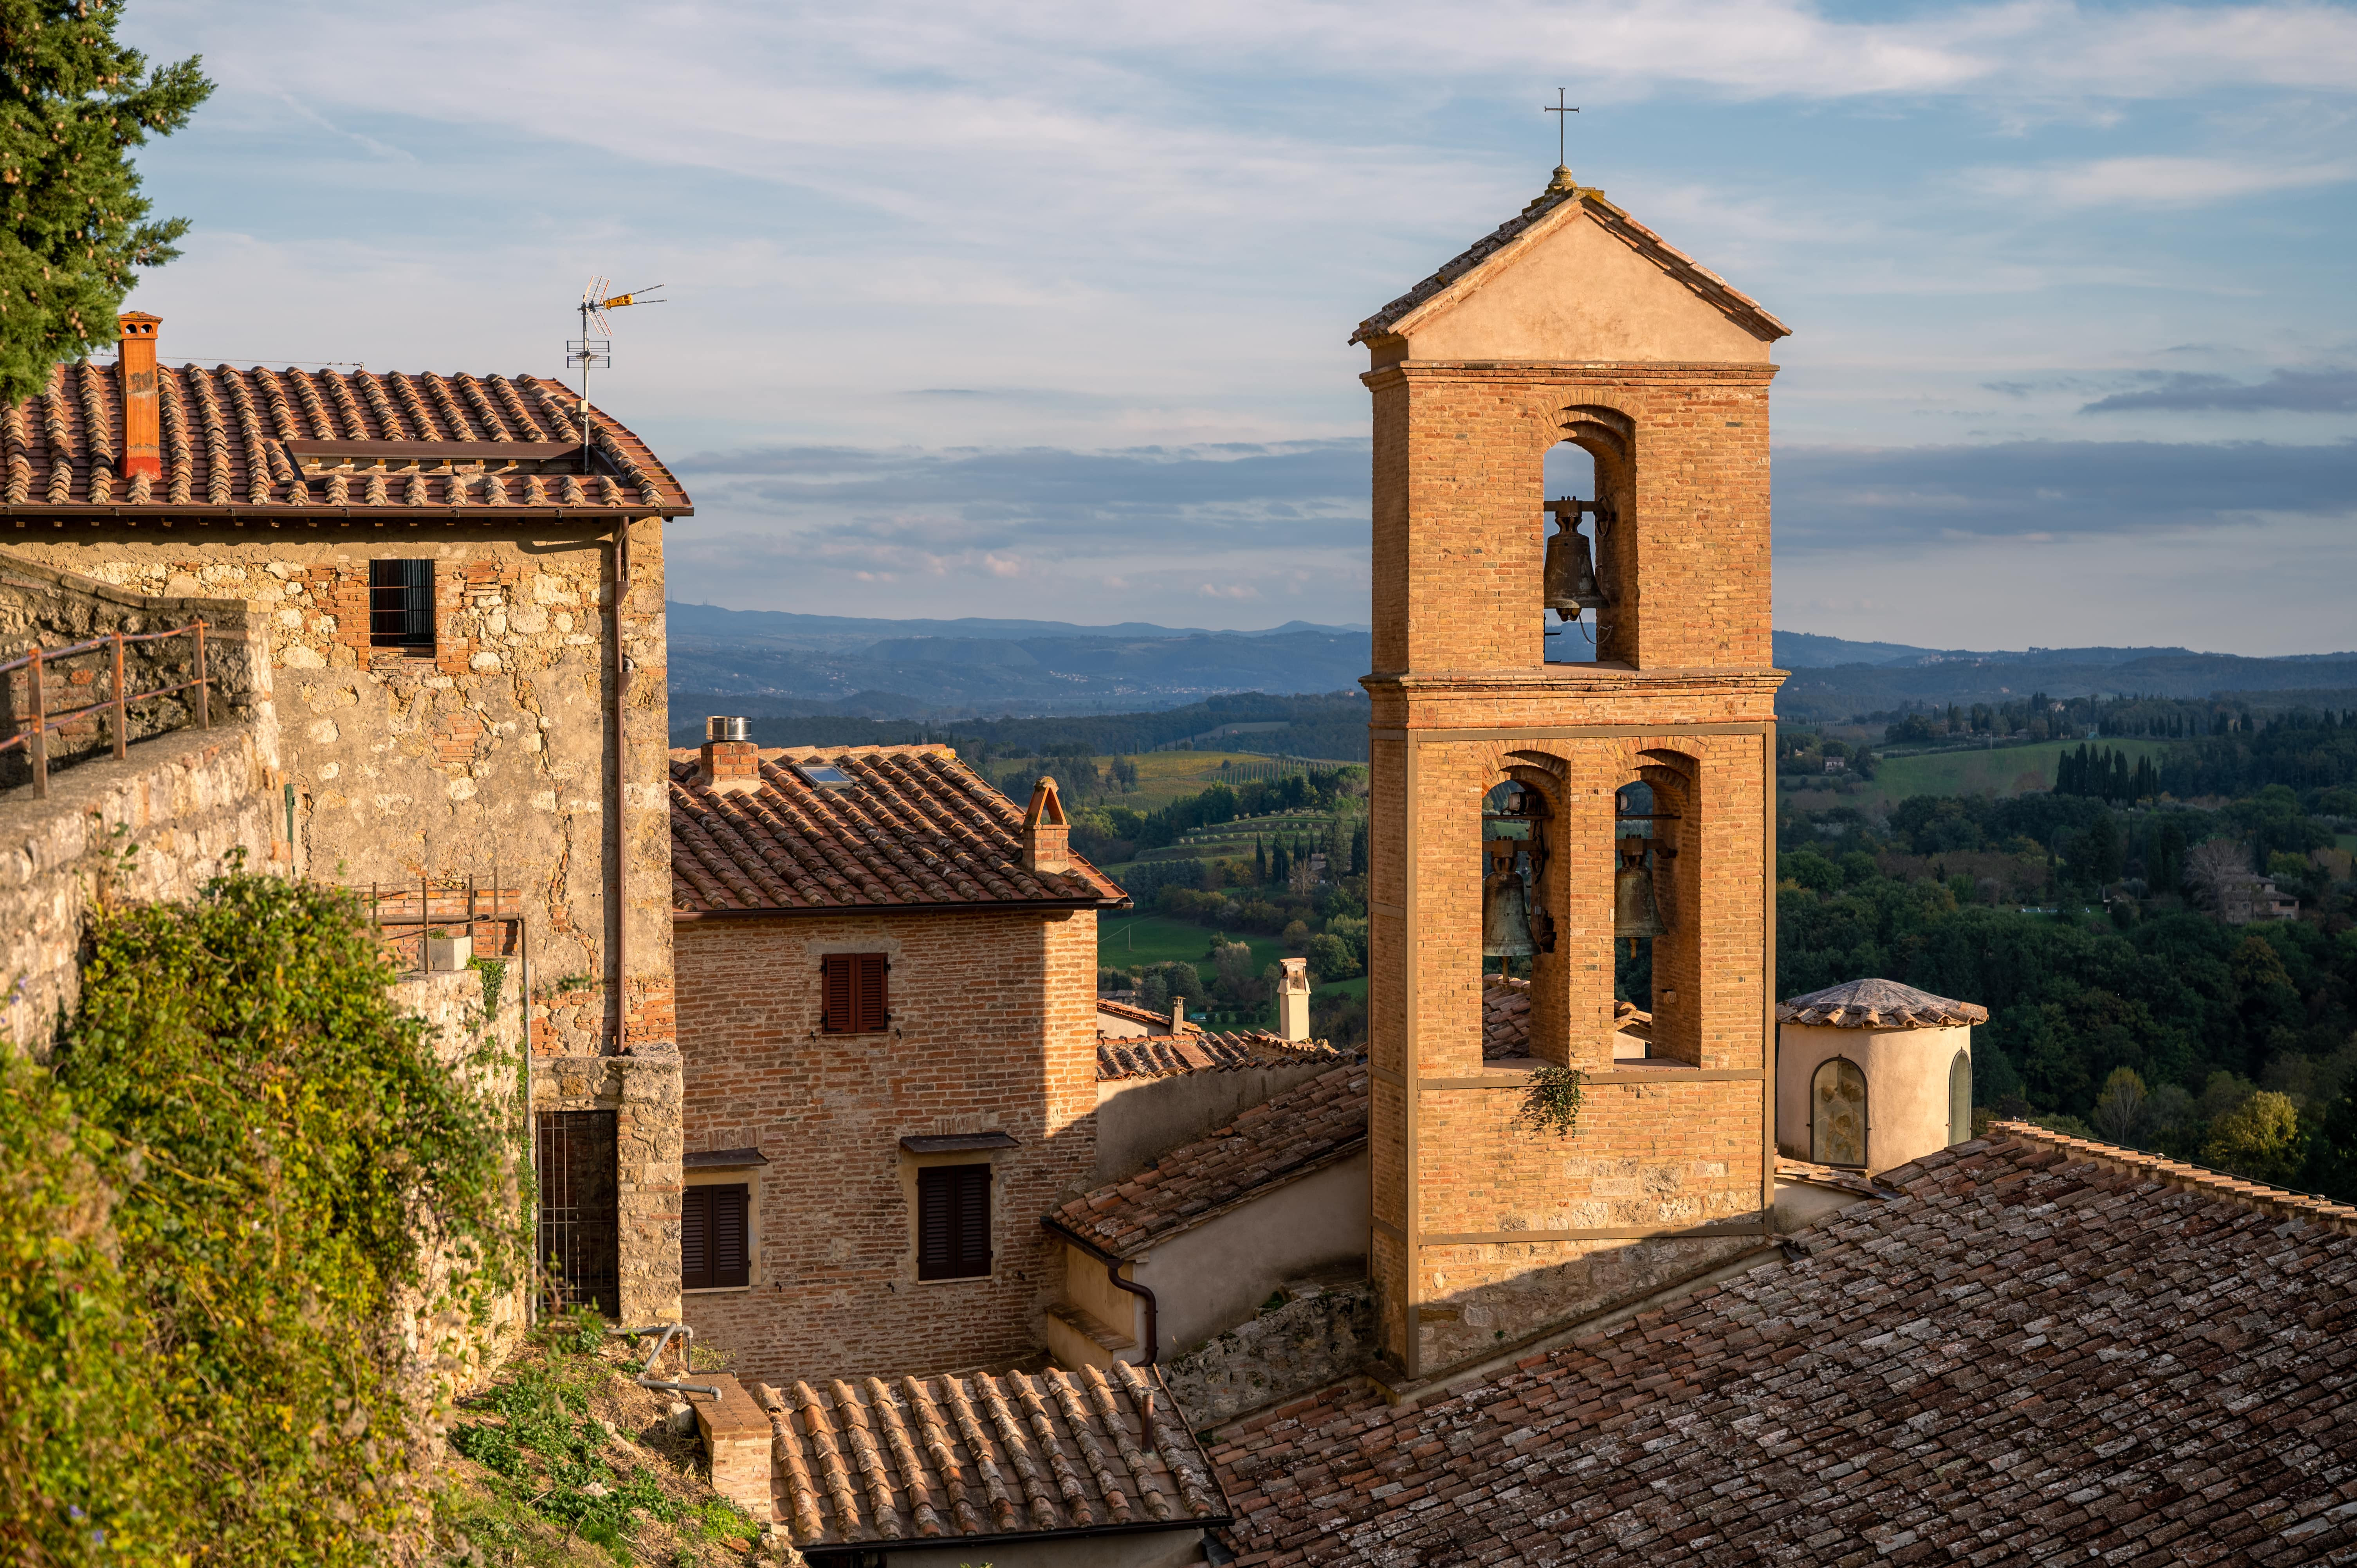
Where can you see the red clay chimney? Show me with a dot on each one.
(732, 765)
(1047, 834)
(143, 448)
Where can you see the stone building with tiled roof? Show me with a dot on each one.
(442, 593)
(887, 980)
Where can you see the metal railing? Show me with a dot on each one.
(35, 738)
(406, 913)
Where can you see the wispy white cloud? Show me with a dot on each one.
(2153, 180)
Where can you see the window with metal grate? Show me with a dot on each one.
(853, 993)
(401, 604)
(952, 1222)
(713, 1253)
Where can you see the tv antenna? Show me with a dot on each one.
(595, 350)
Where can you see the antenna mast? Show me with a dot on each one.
(596, 351)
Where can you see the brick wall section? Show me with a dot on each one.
(994, 1028)
(1682, 452)
(1460, 474)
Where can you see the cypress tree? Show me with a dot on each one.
(73, 103)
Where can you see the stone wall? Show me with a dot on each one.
(993, 1029)
(41, 605)
(488, 756)
(484, 1046)
(1323, 1335)
(153, 826)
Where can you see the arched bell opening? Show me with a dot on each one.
(1588, 572)
(1517, 926)
(1674, 864)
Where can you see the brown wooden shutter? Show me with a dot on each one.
(837, 992)
(696, 1239)
(953, 1222)
(868, 982)
(853, 994)
(715, 1238)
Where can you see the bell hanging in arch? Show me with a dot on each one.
(1506, 917)
(1569, 578)
(1634, 913)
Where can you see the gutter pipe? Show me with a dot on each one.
(1112, 1272)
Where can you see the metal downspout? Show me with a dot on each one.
(1112, 1272)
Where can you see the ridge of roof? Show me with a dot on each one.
(1122, 1056)
(971, 1456)
(1877, 1005)
(919, 830)
(1281, 1140)
(1523, 229)
(1136, 1014)
(2278, 1200)
(227, 434)
(2033, 1350)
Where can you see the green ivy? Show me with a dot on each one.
(1552, 1100)
(494, 971)
(247, 1157)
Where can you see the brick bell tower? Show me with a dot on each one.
(1499, 777)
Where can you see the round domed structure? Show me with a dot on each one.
(1871, 1074)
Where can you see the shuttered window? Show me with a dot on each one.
(953, 1222)
(714, 1252)
(401, 604)
(855, 998)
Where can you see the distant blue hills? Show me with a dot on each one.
(782, 664)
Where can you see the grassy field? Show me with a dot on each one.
(1124, 941)
(2005, 770)
(1167, 776)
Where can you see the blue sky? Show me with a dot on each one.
(1042, 309)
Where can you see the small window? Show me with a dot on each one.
(401, 604)
(854, 992)
(714, 1250)
(952, 1222)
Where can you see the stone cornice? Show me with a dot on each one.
(1588, 373)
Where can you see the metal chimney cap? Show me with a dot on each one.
(727, 727)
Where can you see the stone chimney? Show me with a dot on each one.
(1293, 999)
(1047, 834)
(1178, 1015)
(143, 444)
(731, 765)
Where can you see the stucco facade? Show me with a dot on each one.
(1916, 1092)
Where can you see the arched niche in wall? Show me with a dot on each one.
(1960, 1098)
(1837, 1123)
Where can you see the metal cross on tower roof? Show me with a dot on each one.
(1559, 107)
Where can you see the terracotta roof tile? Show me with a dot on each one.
(2043, 1348)
(1877, 1005)
(225, 432)
(1506, 1018)
(1162, 1055)
(918, 828)
(1112, 1009)
(1286, 1136)
(955, 1458)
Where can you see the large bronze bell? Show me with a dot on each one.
(1634, 913)
(1506, 917)
(1570, 576)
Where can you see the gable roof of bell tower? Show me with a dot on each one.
(1564, 201)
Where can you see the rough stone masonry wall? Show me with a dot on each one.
(41, 605)
(185, 800)
(488, 758)
(993, 1029)
(1319, 1337)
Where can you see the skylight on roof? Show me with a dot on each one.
(825, 776)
